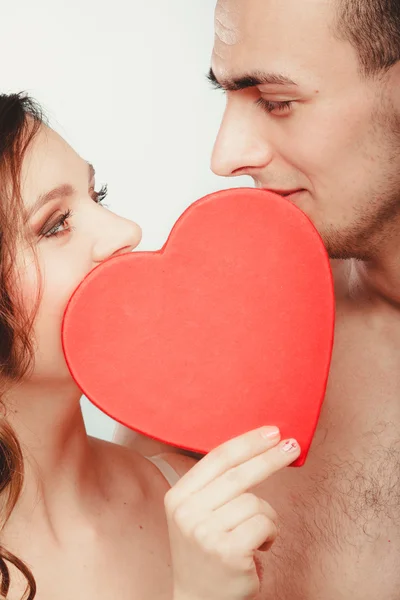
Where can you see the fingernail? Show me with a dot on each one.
(290, 446)
(270, 433)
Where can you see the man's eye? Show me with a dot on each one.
(283, 107)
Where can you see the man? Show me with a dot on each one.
(313, 112)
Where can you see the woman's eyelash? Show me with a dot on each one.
(55, 230)
(101, 195)
(270, 106)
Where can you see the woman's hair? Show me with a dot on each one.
(20, 119)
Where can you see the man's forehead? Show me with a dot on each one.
(254, 35)
(233, 17)
(227, 21)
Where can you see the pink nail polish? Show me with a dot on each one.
(269, 433)
(290, 446)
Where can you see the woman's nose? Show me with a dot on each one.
(119, 235)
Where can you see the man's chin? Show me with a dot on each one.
(341, 247)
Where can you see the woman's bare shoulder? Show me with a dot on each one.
(179, 462)
(122, 466)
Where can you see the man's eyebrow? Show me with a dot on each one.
(62, 191)
(234, 84)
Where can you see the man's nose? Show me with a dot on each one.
(241, 147)
(119, 235)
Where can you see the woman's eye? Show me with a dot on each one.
(60, 227)
(283, 107)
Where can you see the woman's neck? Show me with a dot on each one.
(61, 474)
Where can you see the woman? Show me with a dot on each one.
(82, 518)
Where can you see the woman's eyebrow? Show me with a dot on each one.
(61, 192)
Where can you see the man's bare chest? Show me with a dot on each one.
(340, 513)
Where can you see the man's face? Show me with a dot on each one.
(330, 133)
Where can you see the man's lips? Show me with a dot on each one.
(284, 193)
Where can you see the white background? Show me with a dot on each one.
(124, 83)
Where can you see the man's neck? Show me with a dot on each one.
(378, 280)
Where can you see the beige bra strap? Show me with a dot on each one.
(165, 468)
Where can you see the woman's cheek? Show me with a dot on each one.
(25, 281)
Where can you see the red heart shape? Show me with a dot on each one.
(227, 328)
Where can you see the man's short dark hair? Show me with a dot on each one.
(373, 28)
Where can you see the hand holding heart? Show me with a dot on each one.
(227, 328)
(216, 525)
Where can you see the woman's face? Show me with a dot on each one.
(70, 233)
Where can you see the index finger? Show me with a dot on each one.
(230, 454)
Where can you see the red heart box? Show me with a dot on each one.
(227, 328)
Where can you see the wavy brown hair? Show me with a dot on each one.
(20, 119)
